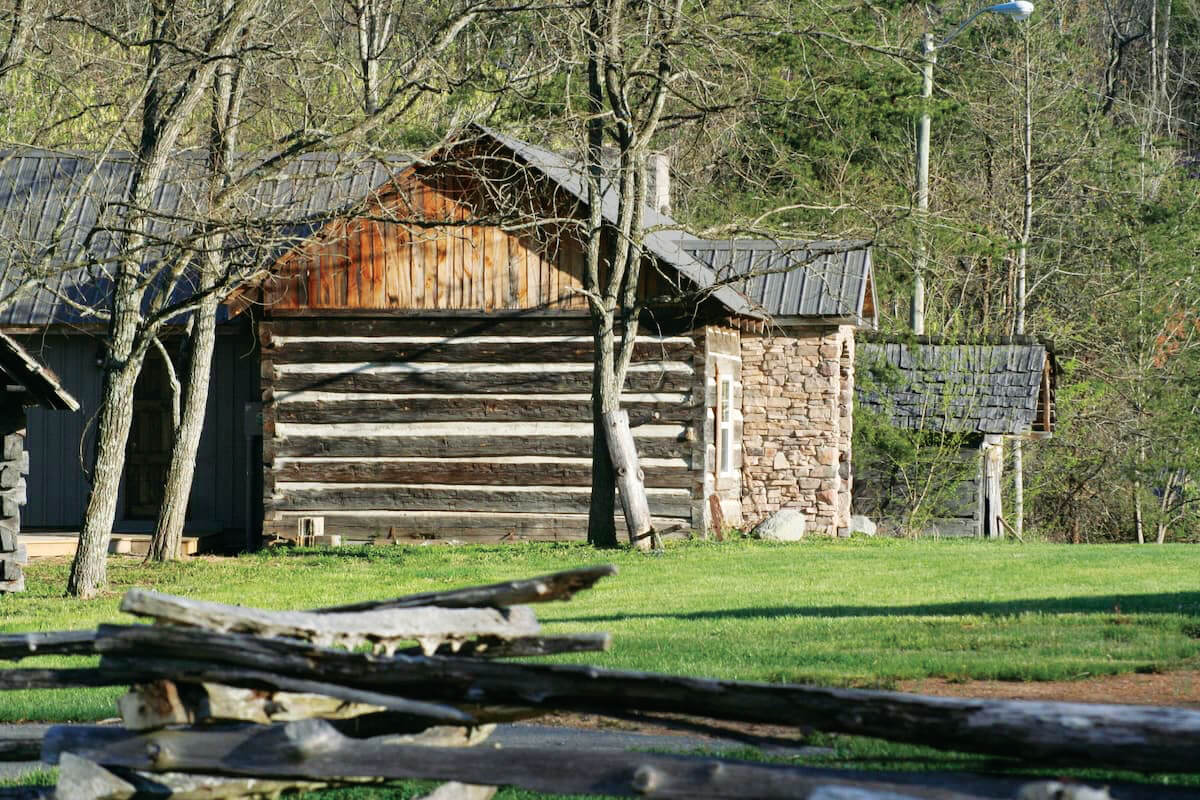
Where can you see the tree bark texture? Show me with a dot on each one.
(168, 531)
(222, 141)
(89, 568)
(602, 530)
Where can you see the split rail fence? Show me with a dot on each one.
(228, 701)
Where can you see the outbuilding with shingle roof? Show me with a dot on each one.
(964, 399)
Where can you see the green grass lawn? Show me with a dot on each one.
(845, 612)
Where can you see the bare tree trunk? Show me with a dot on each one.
(172, 515)
(168, 533)
(89, 569)
(1164, 507)
(173, 380)
(18, 34)
(164, 120)
(602, 530)
(1138, 521)
(375, 23)
(1022, 291)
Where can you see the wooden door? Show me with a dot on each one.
(151, 436)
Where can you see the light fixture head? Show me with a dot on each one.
(1018, 9)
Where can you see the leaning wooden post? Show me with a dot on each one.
(629, 480)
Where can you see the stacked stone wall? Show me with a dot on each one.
(797, 412)
(14, 465)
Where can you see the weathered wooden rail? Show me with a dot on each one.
(227, 701)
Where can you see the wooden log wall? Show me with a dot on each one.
(14, 465)
(465, 429)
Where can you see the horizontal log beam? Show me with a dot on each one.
(65, 678)
(435, 446)
(524, 647)
(15, 646)
(199, 672)
(430, 626)
(461, 498)
(562, 585)
(19, 746)
(477, 528)
(425, 325)
(427, 322)
(81, 779)
(544, 588)
(1134, 737)
(366, 349)
(456, 382)
(470, 473)
(149, 706)
(455, 408)
(315, 750)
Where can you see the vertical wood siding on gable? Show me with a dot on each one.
(372, 263)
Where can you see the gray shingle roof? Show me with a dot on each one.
(55, 209)
(794, 278)
(975, 388)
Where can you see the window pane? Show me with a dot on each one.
(726, 448)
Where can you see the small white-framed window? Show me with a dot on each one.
(725, 424)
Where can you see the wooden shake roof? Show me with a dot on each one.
(1005, 388)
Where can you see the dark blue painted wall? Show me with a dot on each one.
(60, 442)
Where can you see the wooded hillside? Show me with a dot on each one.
(781, 120)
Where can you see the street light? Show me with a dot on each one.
(1017, 10)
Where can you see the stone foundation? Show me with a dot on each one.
(797, 411)
(14, 464)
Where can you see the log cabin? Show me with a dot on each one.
(417, 363)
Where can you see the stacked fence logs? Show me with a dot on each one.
(229, 701)
(14, 465)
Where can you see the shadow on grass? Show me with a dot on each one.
(1118, 605)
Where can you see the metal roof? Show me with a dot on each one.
(965, 388)
(788, 278)
(39, 383)
(783, 278)
(663, 235)
(57, 211)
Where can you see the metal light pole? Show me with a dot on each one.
(1017, 10)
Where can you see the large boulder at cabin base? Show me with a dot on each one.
(785, 525)
(861, 523)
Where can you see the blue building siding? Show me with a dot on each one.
(227, 473)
